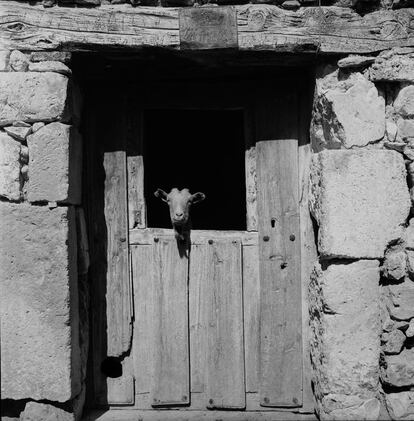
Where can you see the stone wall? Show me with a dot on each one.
(362, 289)
(43, 257)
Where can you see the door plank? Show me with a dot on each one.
(142, 264)
(136, 202)
(119, 311)
(199, 273)
(225, 373)
(251, 295)
(171, 359)
(280, 282)
(251, 189)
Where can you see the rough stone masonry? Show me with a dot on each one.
(43, 352)
(362, 291)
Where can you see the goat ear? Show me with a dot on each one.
(197, 197)
(161, 194)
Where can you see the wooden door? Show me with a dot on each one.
(220, 327)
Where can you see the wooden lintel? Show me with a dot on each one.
(259, 27)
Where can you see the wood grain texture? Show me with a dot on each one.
(259, 27)
(225, 361)
(280, 283)
(251, 189)
(198, 280)
(35, 28)
(171, 347)
(323, 29)
(120, 390)
(251, 294)
(119, 311)
(137, 214)
(147, 236)
(142, 346)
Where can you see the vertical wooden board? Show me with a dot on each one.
(280, 283)
(225, 361)
(199, 273)
(142, 266)
(251, 189)
(119, 312)
(171, 360)
(137, 217)
(251, 307)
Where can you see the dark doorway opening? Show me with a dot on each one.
(202, 150)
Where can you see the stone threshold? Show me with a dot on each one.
(182, 415)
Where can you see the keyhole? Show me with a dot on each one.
(273, 222)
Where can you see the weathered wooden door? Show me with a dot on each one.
(221, 326)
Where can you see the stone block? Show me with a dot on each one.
(347, 113)
(395, 65)
(410, 330)
(345, 333)
(19, 133)
(344, 407)
(36, 411)
(400, 405)
(18, 61)
(401, 303)
(9, 167)
(32, 97)
(393, 341)
(404, 103)
(38, 303)
(55, 164)
(405, 129)
(50, 66)
(360, 200)
(399, 369)
(395, 264)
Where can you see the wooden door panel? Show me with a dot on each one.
(225, 358)
(198, 281)
(280, 277)
(251, 294)
(142, 270)
(171, 347)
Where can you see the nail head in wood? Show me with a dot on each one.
(266, 238)
(292, 237)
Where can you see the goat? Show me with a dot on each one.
(179, 203)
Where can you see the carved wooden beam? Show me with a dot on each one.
(259, 27)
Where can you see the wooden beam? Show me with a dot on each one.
(147, 236)
(259, 27)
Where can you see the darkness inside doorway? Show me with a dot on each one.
(202, 150)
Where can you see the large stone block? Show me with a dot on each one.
(345, 340)
(32, 97)
(360, 200)
(347, 113)
(38, 303)
(400, 405)
(55, 164)
(9, 167)
(399, 369)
